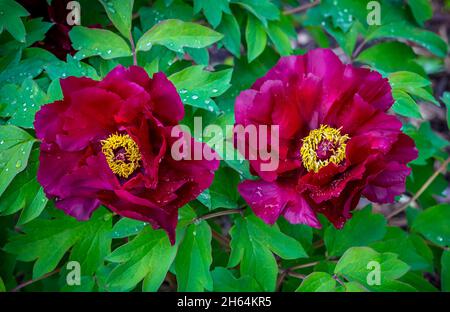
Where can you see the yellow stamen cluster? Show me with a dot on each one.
(131, 155)
(311, 143)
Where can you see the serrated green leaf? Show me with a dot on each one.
(176, 34)
(225, 281)
(119, 12)
(252, 245)
(34, 61)
(362, 229)
(10, 14)
(22, 102)
(147, 257)
(194, 258)
(223, 191)
(94, 41)
(24, 193)
(212, 10)
(264, 10)
(427, 141)
(15, 148)
(47, 241)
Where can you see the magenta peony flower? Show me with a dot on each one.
(336, 140)
(109, 142)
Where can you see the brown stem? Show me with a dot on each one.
(224, 241)
(296, 275)
(219, 214)
(358, 49)
(24, 284)
(302, 266)
(422, 189)
(302, 8)
(133, 49)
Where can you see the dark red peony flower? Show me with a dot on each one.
(336, 140)
(109, 142)
(57, 38)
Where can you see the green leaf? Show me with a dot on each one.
(445, 271)
(47, 241)
(279, 38)
(200, 56)
(34, 61)
(427, 39)
(35, 31)
(446, 99)
(10, 20)
(427, 141)
(411, 249)
(126, 227)
(433, 224)
(94, 41)
(159, 11)
(225, 281)
(417, 281)
(390, 57)
(318, 282)
(197, 86)
(15, 148)
(212, 10)
(231, 31)
(421, 9)
(256, 38)
(22, 102)
(72, 67)
(404, 80)
(119, 12)
(252, 245)
(95, 243)
(176, 34)
(405, 105)
(194, 258)
(24, 193)
(147, 257)
(355, 266)
(2, 285)
(263, 9)
(223, 191)
(362, 229)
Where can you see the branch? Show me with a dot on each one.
(422, 189)
(24, 284)
(133, 49)
(302, 8)
(218, 214)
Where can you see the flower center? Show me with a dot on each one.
(323, 146)
(122, 154)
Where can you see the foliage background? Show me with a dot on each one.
(212, 50)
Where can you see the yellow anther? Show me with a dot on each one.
(323, 146)
(122, 154)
